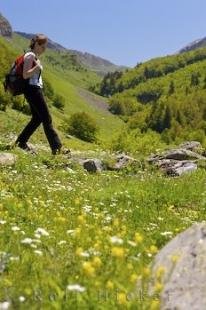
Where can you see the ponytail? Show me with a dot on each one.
(39, 38)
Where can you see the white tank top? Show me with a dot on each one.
(36, 79)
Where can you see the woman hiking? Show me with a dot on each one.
(34, 95)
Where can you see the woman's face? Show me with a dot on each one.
(40, 48)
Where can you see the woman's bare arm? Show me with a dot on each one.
(29, 69)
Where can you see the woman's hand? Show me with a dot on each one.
(37, 61)
(29, 70)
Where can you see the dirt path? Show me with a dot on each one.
(94, 100)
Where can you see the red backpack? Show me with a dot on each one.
(14, 81)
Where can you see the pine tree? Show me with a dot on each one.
(171, 88)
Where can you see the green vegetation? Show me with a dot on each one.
(63, 80)
(167, 95)
(61, 228)
(75, 240)
(82, 126)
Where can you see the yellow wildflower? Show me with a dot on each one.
(133, 278)
(122, 298)
(77, 232)
(79, 251)
(146, 271)
(116, 222)
(97, 245)
(97, 283)
(96, 262)
(28, 291)
(138, 238)
(61, 219)
(175, 258)
(129, 266)
(88, 269)
(153, 249)
(155, 304)
(109, 285)
(160, 272)
(77, 201)
(158, 287)
(118, 252)
(81, 219)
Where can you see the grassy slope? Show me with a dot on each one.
(67, 82)
(81, 212)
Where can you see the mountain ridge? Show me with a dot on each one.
(92, 62)
(193, 45)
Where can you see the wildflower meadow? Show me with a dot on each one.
(75, 240)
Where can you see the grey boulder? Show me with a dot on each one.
(184, 262)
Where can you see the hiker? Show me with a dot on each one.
(34, 95)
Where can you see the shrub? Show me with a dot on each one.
(4, 99)
(20, 104)
(135, 142)
(83, 126)
(59, 102)
(48, 89)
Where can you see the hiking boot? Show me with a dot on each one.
(61, 150)
(56, 151)
(25, 147)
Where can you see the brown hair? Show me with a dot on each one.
(39, 38)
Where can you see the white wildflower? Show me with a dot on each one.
(107, 219)
(4, 305)
(70, 231)
(69, 188)
(87, 208)
(27, 241)
(62, 242)
(38, 252)
(41, 232)
(15, 228)
(116, 240)
(132, 243)
(2, 222)
(22, 298)
(14, 258)
(84, 254)
(166, 233)
(70, 170)
(76, 288)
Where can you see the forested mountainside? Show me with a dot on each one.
(166, 94)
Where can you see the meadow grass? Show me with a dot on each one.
(74, 240)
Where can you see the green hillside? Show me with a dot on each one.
(63, 62)
(166, 95)
(66, 78)
(71, 239)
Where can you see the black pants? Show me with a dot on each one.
(40, 114)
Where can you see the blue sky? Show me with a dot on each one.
(123, 31)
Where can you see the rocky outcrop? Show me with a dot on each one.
(181, 269)
(5, 27)
(7, 159)
(93, 165)
(122, 161)
(184, 159)
(194, 45)
(118, 162)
